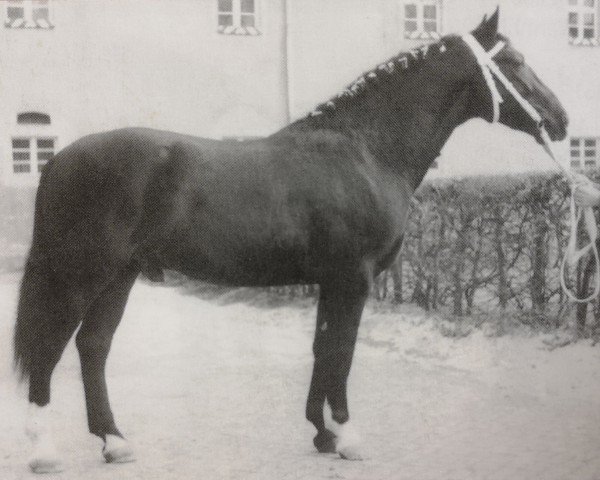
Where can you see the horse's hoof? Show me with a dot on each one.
(347, 441)
(325, 442)
(46, 464)
(349, 453)
(117, 450)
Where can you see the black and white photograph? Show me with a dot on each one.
(300, 239)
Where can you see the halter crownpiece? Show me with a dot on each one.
(490, 70)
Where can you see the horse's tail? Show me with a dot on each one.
(34, 327)
(31, 327)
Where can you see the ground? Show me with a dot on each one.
(214, 388)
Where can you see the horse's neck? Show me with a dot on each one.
(406, 133)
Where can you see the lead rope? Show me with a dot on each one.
(490, 69)
(572, 254)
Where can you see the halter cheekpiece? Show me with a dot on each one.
(491, 72)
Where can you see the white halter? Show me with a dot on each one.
(490, 69)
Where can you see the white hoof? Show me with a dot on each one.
(347, 443)
(46, 465)
(117, 450)
(350, 453)
(45, 458)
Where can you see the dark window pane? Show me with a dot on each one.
(21, 168)
(247, 6)
(410, 11)
(45, 143)
(588, 3)
(573, 18)
(575, 153)
(410, 26)
(225, 20)
(573, 32)
(225, 5)
(247, 21)
(590, 163)
(590, 142)
(20, 143)
(575, 142)
(21, 156)
(430, 26)
(590, 153)
(14, 13)
(41, 14)
(588, 33)
(429, 12)
(588, 19)
(575, 163)
(45, 156)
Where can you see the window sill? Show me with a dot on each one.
(580, 42)
(24, 26)
(420, 35)
(243, 31)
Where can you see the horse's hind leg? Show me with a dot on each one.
(93, 343)
(338, 317)
(48, 314)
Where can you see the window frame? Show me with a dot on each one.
(27, 20)
(237, 16)
(584, 152)
(34, 163)
(421, 32)
(578, 8)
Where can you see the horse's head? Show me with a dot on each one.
(512, 64)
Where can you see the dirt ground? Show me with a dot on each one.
(215, 389)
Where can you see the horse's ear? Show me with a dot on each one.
(487, 30)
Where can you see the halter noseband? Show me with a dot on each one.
(490, 69)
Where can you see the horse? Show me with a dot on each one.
(322, 201)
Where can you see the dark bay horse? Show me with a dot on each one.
(322, 201)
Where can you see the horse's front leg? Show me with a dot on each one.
(338, 316)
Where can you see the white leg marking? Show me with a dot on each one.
(44, 458)
(117, 450)
(348, 440)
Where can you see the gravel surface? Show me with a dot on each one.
(215, 389)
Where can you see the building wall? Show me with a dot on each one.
(154, 63)
(162, 64)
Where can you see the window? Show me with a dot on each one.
(584, 152)
(27, 14)
(422, 20)
(31, 147)
(31, 154)
(237, 17)
(583, 22)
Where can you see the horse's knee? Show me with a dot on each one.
(89, 344)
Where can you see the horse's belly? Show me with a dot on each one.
(242, 266)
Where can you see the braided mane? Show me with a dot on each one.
(381, 73)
